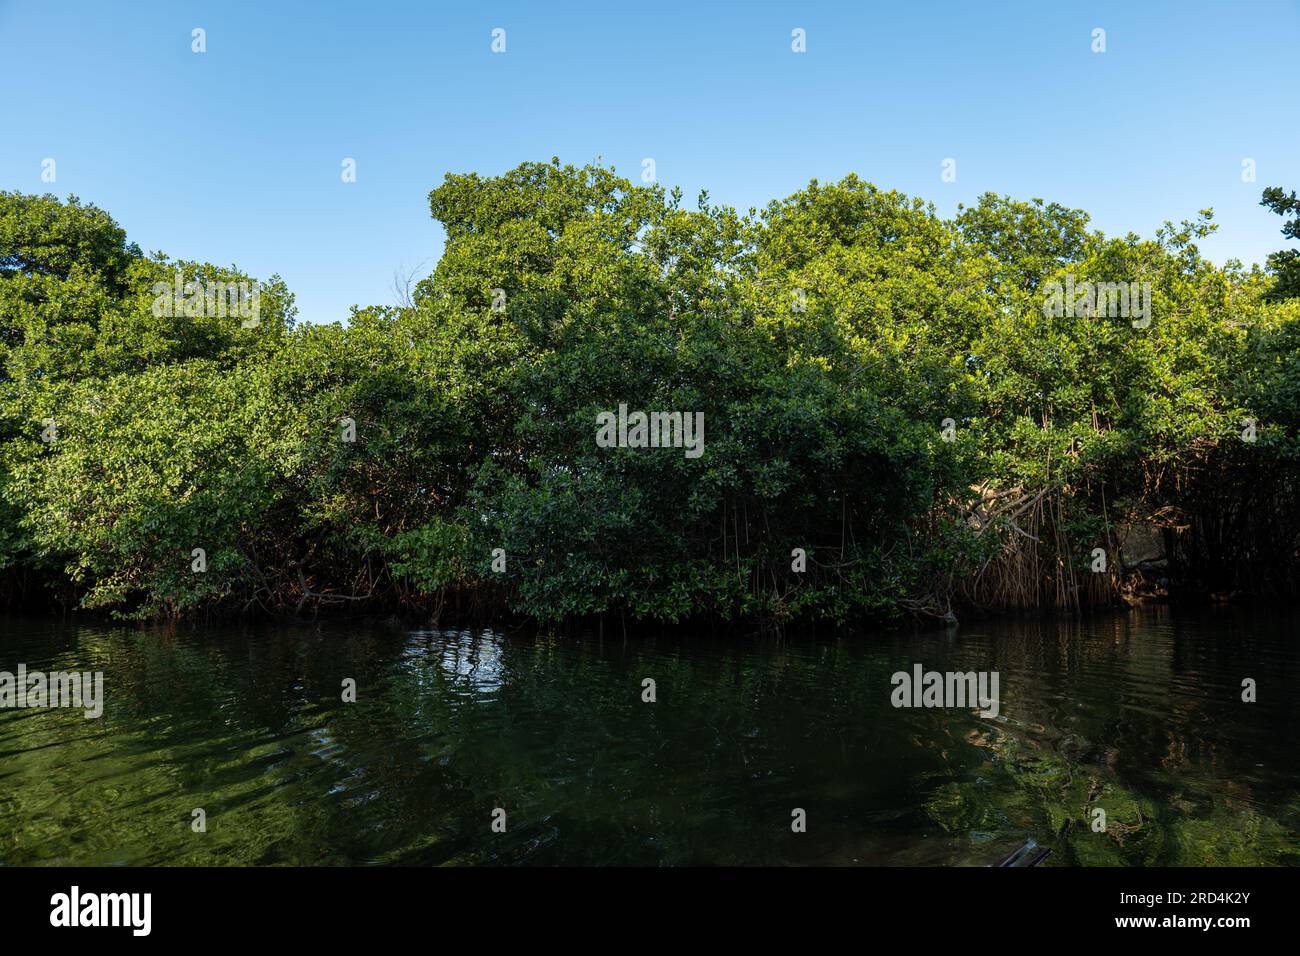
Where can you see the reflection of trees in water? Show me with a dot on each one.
(251, 727)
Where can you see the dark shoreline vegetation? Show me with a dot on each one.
(826, 340)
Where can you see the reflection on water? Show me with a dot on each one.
(1138, 714)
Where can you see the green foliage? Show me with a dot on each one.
(825, 339)
(1284, 264)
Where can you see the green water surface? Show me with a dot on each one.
(1139, 714)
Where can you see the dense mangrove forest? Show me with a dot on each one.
(900, 415)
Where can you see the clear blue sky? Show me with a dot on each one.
(233, 156)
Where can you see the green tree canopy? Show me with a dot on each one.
(885, 392)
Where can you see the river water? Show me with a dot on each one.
(1138, 714)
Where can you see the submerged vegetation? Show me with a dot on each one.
(887, 390)
(246, 720)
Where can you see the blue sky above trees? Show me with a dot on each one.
(233, 156)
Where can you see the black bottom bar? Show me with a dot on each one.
(668, 906)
